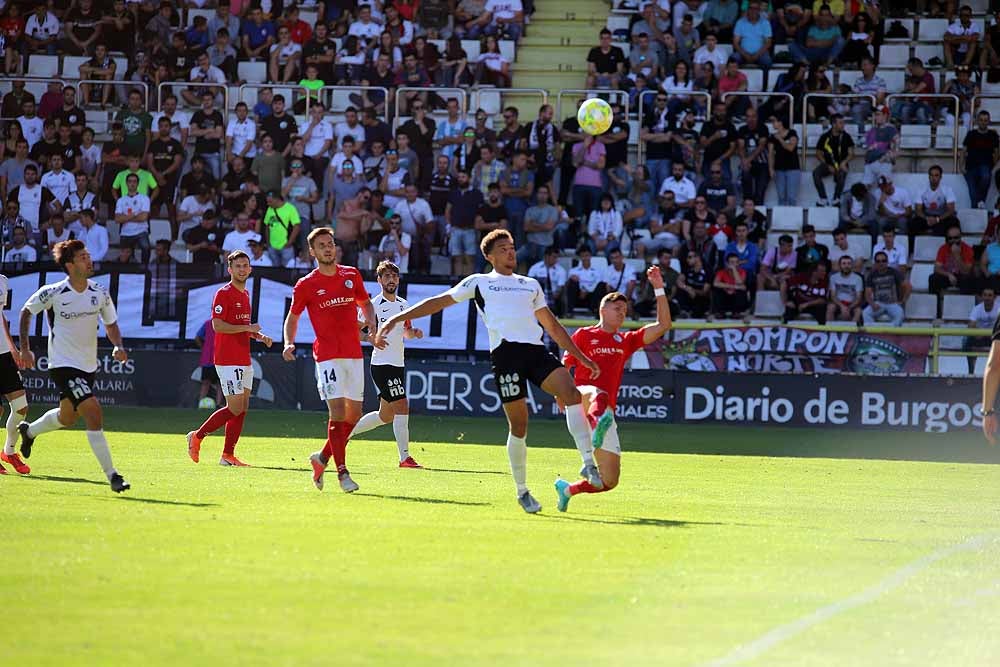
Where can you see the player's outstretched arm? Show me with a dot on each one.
(558, 332)
(290, 329)
(655, 331)
(115, 336)
(431, 306)
(991, 383)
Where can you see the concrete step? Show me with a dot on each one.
(551, 81)
(550, 57)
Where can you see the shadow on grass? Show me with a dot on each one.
(67, 480)
(418, 499)
(284, 469)
(468, 472)
(640, 521)
(157, 501)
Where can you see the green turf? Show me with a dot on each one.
(694, 555)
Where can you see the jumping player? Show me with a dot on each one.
(233, 331)
(514, 310)
(75, 305)
(610, 348)
(387, 368)
(13, 390)
(332, 294)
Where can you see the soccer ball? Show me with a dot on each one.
(595, 116)
(206, 403)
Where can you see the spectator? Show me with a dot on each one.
(686, 37)
(755, 220)
(778, 264)
(12, 169)
(732, 80)
(869, 83)
(58, 181)
(783, 161)
(280, 125)
(965, 89)
(552, 277)
(679, 87)
(56, 232)
(395, 245)
(954, 266)
(605, 64)
(180, 122)
(692, 293)
(589, 160)
(935, 210)
(746, 251)
(19, 252)
(205, 240)
(33, 199)
(302, 192)
(490, 216)
(656, 133)
(703, 244)
(241, 134)
(240, 237)
(834, 152)
(434, 16)
(718, 142)
(983, 316)
(860, 38)
(982, 152)
(268, 165)
(810, 252)
(517, 185)
(823, 42)
(752, 38)
(208, 127)
(882, 141)
(258, 35)
(284, 57)
(753, 145)
(961, 40)
(990, 264)
(719, 193)
(644, 59)
(858, 211)
(895, 206)
(885, 294)
(41, 31)
(320, 51)
(12, 218)
(718, 20)
(895, 253)
(82, 28)
(352, 223)
(488, 170)
(503, 19)
(730, 295)
(93, 235)
(604, 228)
(807, 293)
(790, 21)
(682, 187)
(846, 293)
(418, 222)
(132, 213)
(918, 81)
(450, 132)
(511, 138)
(77, 201)
(582, 288)
(540, 222)
(224, 19)
(842, 249)
(282, 223)
(617, 276)
(699, 213)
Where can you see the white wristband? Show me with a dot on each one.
(659, 291)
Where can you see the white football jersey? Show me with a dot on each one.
(507, 305)
(4, 291)
(392, 355)
(73, 322)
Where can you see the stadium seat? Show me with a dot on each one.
(599, 263)
(508, 49)
(637, 266)
(639, 361)
(921, 307)
(471, 48)
(786, 218)
(71, 66)
(159, 229)
(973, 220)
(489, 100)
(894, 78)
(618, 22)
(97, 119)
(824, 219)
(252, 72)
(769, 304)
(113, 232)
(122, 63)
(919, 275)
(44, 66)
(944, 139)
(309, 16)
(926, 248)
(860, 245)
(755, 79)
(894, 55)
(915, 136)
(957, 307)
(931, 30)
(927, 51)
(980, 366)
(953, 366)
(906, 23)
(847, 77)
(813, 132)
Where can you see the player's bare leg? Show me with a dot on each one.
(560, 384)
(18, 411)
(343, 416)
(600, 416)
(397, 413)
(517, 452)
(233, 413)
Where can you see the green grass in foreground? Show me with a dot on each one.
(693, 556)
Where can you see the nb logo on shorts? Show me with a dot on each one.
(396, 387)
(509, 385)
(79, 388)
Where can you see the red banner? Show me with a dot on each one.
(778, 349)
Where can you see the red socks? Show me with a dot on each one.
(336, 442)
(583, 486)
(234, 427)
(214, 422)
(331, 434)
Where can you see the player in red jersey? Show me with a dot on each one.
(332, 294)
(609, 347)
(231, 323)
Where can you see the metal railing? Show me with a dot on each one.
(39, 80)
(326, 95)
(620, 95)
(804, 136)
(640, 144)
(941, 96)
(460, 94)
(180, 85)
(476, 100)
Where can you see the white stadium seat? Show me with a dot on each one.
(769, 304)
(860, 245)
(957, 307)
(824, 219)
(906, 23)
(786, 218)
(894, 79)
(953, 366)
(927, 51)
(894, 55)
(915, 136)
(252, 72)
(755, 79)
(919, 275)
(43, 66)
(921, 307)
(159, 229)
(847, 77)
(973, 220)
(926, 247)
(932, 30)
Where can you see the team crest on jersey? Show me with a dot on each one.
(521, 280)
(93, 301)
(348, 283)
(218, 310)
(594, 341)
(320, 292)
(618, 338)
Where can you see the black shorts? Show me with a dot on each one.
(10, 376)
(515, 363)
(209, 373)
(390, 382)
(74, 384)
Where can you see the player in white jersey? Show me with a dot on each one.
(74, 307)
(514, 310)
(12, 389)
(387, 368)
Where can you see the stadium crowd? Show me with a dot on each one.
(260, 176)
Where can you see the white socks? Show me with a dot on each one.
(576, 424)
(401, 429)
(517, 452)
(13, 419)
(47, 422)
(370, 421)
(99, 445)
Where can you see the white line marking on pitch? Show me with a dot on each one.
(784, 632)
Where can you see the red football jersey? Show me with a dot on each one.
(233, 307)
(332, 302)
(609, 351)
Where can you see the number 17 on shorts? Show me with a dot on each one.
(341, 378)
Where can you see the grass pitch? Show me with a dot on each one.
(722, 546)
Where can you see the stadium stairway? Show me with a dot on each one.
(553, 53)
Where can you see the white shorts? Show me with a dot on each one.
(235, 380)
(611, 442)
(341, 378)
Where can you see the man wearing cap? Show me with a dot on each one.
(882, 141)
(239, 238)
(280, 227)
